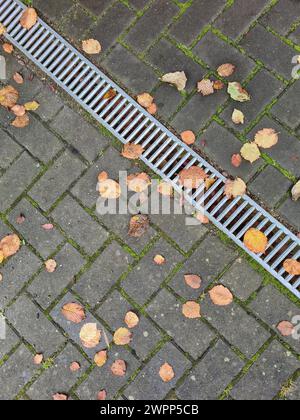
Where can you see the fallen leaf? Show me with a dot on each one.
(256, 241)
(193, 281)
(1, 258)
(21, 122)
(226, 70)
(152, 109)
(8, 96)
(50, 266)
(31, 106)
(238, 117)
(159, 260)
(60, 397)
(202, 218)
(138, 225)
(29, 18)
(206, 87)
(145, 100)
(286, 328)
(38, 359)
(166, 372)
(48, 226)
(177, 79)
(8, 48)
(110, 189)
(103, 176)
(10, 245)
(209, 182)
(122, 337)
(18, 78)
(292, 267)
(188, 137)
(119, 368)
(138, 182)
(75, 367)
(237, 93)
(131, 319)
(192, 177)
(296, 191)
(236, 188)
(250, 152)
(102, 395)
(2, 29)
(112, 93)
(90, 336)
(73, 312)
(100, 358)
(266, 138)
(236, 160)
(18, 110)
(191, 310)
(218, 85)
(165, 189)
(91, 46)
(132, 151)
(221, 296)
(20, 219)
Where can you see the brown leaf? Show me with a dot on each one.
(10, 245)
(102, 395)
(131, 319)
(122, 337)
(100, 358)
(90, 336)
(18, 110)
(188, 137)
(132, 151)
(266, 138)
(38, 359)
(145, 100)
(29, 18)
(21, 122)
(91, 46)
(292, 267)
(226, 70)
(152, 109)
(218, 85)
(110, 189)
(193, 281)
(165, 189)
(60, 397)
(166, 372)
(256, 241)
(8, 96)
(221, 296)
(192, 177)
(236, 188)
(119, 368)
(286, 328)
(50, 266)
(177, 79)
(159, 260)
(191, 310)
(74, 312)
(8, 48)
(18, 78)
(236, 160)
(138, 182)
(75, 367)
(206, 87)
(138, 226)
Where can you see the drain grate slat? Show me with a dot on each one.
(163, 152)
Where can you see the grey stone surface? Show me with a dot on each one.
(50, 104)
(286, 107)
(290, 211)
(55, 10)
(168, 100)
(294, 392)
(282, 16)
(9, 150)
(9, 342)
(95, 6)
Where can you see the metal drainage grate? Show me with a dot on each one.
(164, 153)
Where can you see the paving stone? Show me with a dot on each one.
(33, 325)
(212, 375)
(220, 145)
(81, 135)
(149, 26)
(242, 279)
(208, 261)
(16, 373)
(139, 4)
(4, 229)
(46, 287)
(215, 52)
(79, 225)
(167, 58)
(270, 186)
(287, 150)
(294, 393)
(192, 335)
(77, 23)
(55, 11)
(146, 336)
(269, 49)
(16, 179)
(17, 271)
(95, 283)
(95, 6)
(295, 36)
(286, 107)
(273, 307)
(263, 88)
(112, 24)
(136, 76)
(44, 241)
(290, 210)
(236, 20)
(57, 180)
(103, 379)
(9, 342)
(73, 330)
(38, 140)
(167, 100)
(50, 104)
(266, 377)
(239, 328)
(150, 275)
(148, 385)
(59, 377)
(198, 111)
(282, 16)
(195, 20)
(9, 150)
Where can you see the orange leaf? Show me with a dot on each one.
(165, 189)
(74, 312)
(145, 100)
(138, 225)
(102, 395)
(18, 78)
(256, 241)
(38, 359)
(119, 368)
(110, 189)
(236, 160)
(286, 328)
(21, 122)
(292, 267)
(226, 70)
(192, 177)
(131, 319)
(60, 397)
(191, 310)
(50, 266)
(193, 281)
(132, 151)
(122, 337)
(9, 96)
(10, 245)
(138, 182)
(75, 367)
(188, 137)
(152, 109)
(29, 18)
(100, 358)
(159, 260)
(91, 46)
(8, 48)
(166, 372)
(221, 296)
(18, 110)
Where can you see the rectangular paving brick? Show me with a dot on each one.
(78, 20)
(195, 19)
(149, 26)
(148, 385)
(55, 11)
(103, 274)
(269, 49)
(167, 100)
(192, 335)
(16, 272)
(57, 180)
(290, 210)
(286, 109)
(212, 375)
(282, 15)
(16, 179)
(266, 377)
(79, 225)
(95, 6)
(59, 377)
(145, 335)
(44, 241)
(139, 4)
(33, 325)
(50, 104)
(47, 286)
(9, 150)
(295, 36)
(9, 342)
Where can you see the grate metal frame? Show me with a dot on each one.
(163, 152)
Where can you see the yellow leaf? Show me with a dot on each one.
(90, 335)
(91, 46)
(266, 138)
(100, 358)
(235, 188)
(256, 241)
(250, 152)
(31, 106)
(191, 310)
(292, 267)
(122, 337)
